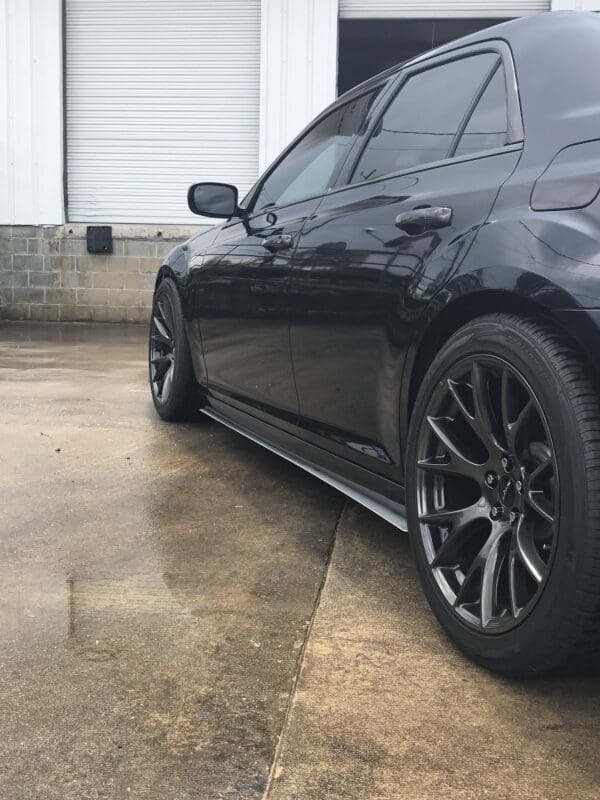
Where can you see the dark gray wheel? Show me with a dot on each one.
(503, 495)
(172, 382)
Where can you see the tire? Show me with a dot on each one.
(171, 374)
(515, 579)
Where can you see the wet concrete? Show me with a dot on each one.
(175, 624)
(157, 581)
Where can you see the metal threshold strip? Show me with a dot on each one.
(377, 503)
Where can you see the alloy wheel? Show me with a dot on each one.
(487, 493)
(162, 348)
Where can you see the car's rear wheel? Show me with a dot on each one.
(503, 495)
(172, 383)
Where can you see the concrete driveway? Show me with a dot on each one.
(183, 615)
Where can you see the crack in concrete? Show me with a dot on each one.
(300, 661)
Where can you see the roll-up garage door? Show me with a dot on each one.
(377, 9)
(159, 94)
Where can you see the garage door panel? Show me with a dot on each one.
(374, 9)
(158, 95)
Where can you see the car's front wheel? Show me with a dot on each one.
(503, 495)
(172, 383)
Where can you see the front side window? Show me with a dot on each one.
(311, 167)
(422, 121)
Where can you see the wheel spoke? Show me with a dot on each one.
(161, 365)
(164, 307)
(539, 503)
(483, 423)
(166, 387)
(162, 334)
(489, 581)
(458, 461)
(514, 428)
(546, 464)
(460, 524)
(524, 548)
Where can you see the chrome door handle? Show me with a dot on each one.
(276, 243)
(424, 219)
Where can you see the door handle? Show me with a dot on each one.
(424, 219)
(276, 243)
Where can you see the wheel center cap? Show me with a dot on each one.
(506, 491)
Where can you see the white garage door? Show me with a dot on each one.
(159, 94)
(440, 8)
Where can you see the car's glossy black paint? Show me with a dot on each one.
(322, 348)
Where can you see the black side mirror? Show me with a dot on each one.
(213, 200)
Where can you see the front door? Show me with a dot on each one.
(241, 286)
(378, 249)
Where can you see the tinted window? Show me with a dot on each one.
(424, 117)
(312, 166)
(488, 126)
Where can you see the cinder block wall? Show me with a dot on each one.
(47, 274)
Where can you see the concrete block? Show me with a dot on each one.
(10, 280)
(15, 311)
(107, 264)
(53, 231)
(94, 297)
(13, 246)
(60, 263)
(164, 248)
(136, 248)
(151, 265)
(74, 313)
(5, 231)
(6, 297)
(73, 247)
(27, 231)
(28, 262)
(50, 246)
(44, 313)
(61, 296)
(6, 262)
(28, 295)
(44, 279)
(77, 280)
(34, 246)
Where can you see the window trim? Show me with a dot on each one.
(516, 134)
(248, 203)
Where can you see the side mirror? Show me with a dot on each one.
(213, 200)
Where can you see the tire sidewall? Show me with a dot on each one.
(537, 638)
(179, 396)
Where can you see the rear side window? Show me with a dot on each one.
(422, 121)
(311, 167)
(488, 125)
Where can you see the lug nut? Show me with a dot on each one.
(507, 464)
(519, 486)
(491, 479)
(513, 517)
(495, 512)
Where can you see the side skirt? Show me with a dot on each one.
(392, 512)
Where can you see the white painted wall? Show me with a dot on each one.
(298, 68)
(31, 142)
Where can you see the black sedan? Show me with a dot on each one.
(407, 305)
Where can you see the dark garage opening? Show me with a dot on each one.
(368, 46)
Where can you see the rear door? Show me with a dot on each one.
(241, 286)
(379, 247)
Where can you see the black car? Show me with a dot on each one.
(407, 305)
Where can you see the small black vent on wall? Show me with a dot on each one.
(99, 239)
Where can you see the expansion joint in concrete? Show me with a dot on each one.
(300, 660)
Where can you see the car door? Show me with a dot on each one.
(241, 285)
(380, 246)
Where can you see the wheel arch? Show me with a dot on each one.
(459, 312)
